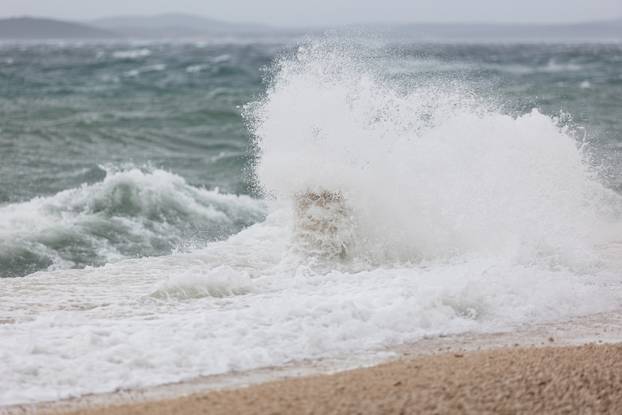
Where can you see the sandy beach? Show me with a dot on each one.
(553, 380)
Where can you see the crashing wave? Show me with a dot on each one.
(427, 170)
(131, 213)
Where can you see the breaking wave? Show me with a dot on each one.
(428, 170)
(131, 213)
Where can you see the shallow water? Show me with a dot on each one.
(148, 230)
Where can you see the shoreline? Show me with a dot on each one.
(600, 331)
(551, 380)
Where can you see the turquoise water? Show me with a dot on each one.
(76, 115)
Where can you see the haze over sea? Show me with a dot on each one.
(147, 227)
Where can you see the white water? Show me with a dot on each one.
(462, 218)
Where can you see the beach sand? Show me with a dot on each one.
(552, 380)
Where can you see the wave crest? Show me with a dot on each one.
(131, 213)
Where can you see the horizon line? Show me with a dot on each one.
(289, 25)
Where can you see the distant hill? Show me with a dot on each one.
(38, 28)
(176, 25)
(183, 25)
(189, 26)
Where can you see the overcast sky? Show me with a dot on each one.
(314, 12)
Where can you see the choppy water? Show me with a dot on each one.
(147, 224)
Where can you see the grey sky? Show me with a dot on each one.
(313, 12)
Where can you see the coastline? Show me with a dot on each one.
(565, 379)
(592, 345)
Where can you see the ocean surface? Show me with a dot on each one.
(151, 227)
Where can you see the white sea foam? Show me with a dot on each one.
(551, 67)
(222, 281)
(146, 69)
(213, 60)
(221, 58)
(463, 218)
(131, 54)
(430, 172)
(554, 66)
(585, 85)
(196, 68)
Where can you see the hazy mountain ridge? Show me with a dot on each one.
(42, 28)
(176, 25)
(189, 26)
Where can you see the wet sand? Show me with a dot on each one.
(552, 380)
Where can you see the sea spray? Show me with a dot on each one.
(430, 172)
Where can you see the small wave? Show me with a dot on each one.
(551, 66)
(221, 58)
(131, 213)
(196, 68)
(222, 281)
(131, 54)
(146, 69)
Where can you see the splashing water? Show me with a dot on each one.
(430, 172)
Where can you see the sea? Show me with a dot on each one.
(170, 210)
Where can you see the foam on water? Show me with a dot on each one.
(131, 54)
(458, 217)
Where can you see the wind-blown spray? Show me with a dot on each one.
(427, 171)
